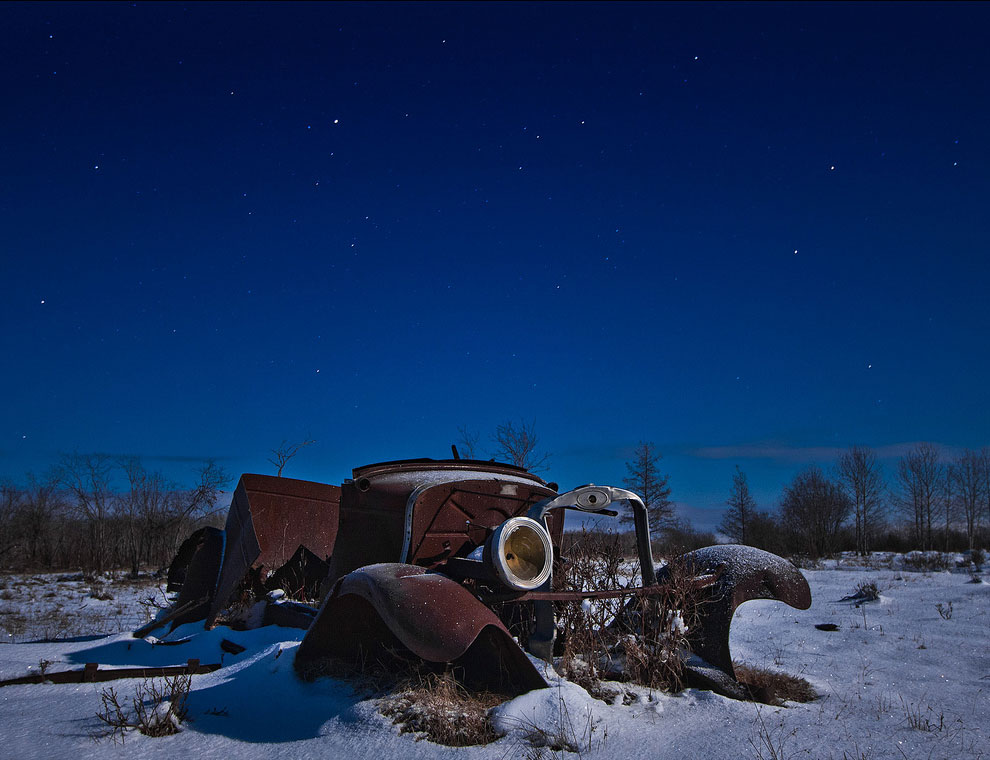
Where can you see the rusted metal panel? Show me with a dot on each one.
(452, 519)
(301, 576)
(380, 606)
(269, 519)
(180, 563)
(374, 505)
(200, 576)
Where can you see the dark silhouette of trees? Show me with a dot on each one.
(812, 510)
(87, 477)
(921, 478)
(971, 482)
(737, 519)
(98, 512)
(862, 477)
(644, 477)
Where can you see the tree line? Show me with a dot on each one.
(930, 502)
(96, 512)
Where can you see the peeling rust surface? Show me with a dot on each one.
(451, 519)
(429, 614)
(269, 519)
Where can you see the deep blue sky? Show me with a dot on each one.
(753, 234)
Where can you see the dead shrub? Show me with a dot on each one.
(158, 709)
(438, 708)
(867, 591)
(13, 623)
(595, 563)
(773, 688)
(927, 561)
(638, 639)
(423, 698)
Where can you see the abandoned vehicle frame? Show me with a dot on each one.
(450, 561)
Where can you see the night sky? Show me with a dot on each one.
(753, 234)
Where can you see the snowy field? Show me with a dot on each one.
(900, 678)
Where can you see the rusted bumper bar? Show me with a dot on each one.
(698, 583)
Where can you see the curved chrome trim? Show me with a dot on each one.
(497, 554)
(592, 498)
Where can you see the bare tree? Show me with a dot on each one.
(144, 510)
(517, 445)
(921, 476)
(10, 502)
(39, 520)
(860, 473)
(285, 451)
(88, 478)
(742, 507)
(949, 501)
(813, 509)
(970, 485)
(644, 477)
(467, 442)
(985, 465)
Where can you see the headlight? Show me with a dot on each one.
(520, 552)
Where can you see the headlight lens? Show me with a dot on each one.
(521, 553)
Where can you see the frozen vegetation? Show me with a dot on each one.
(904, 675)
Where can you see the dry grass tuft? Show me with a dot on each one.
(438, 708)
(419, 698)
(773, 688)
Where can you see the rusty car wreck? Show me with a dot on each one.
(448, 560)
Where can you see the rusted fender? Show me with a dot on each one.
(378, 607)
(741, 573)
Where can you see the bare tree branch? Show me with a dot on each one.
(517, 445)
(285, 451)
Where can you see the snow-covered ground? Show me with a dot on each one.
(66, 605)
(898, 679)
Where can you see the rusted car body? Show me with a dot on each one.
(450, 561)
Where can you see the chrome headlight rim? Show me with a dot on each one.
(497, 553)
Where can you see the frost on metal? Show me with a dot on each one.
(449, 561)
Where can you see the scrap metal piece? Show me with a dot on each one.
(301, 576)
(91, 673)
(199, 577)
(741, 573)
(179, 569)
(269, 519)
(387, 606)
